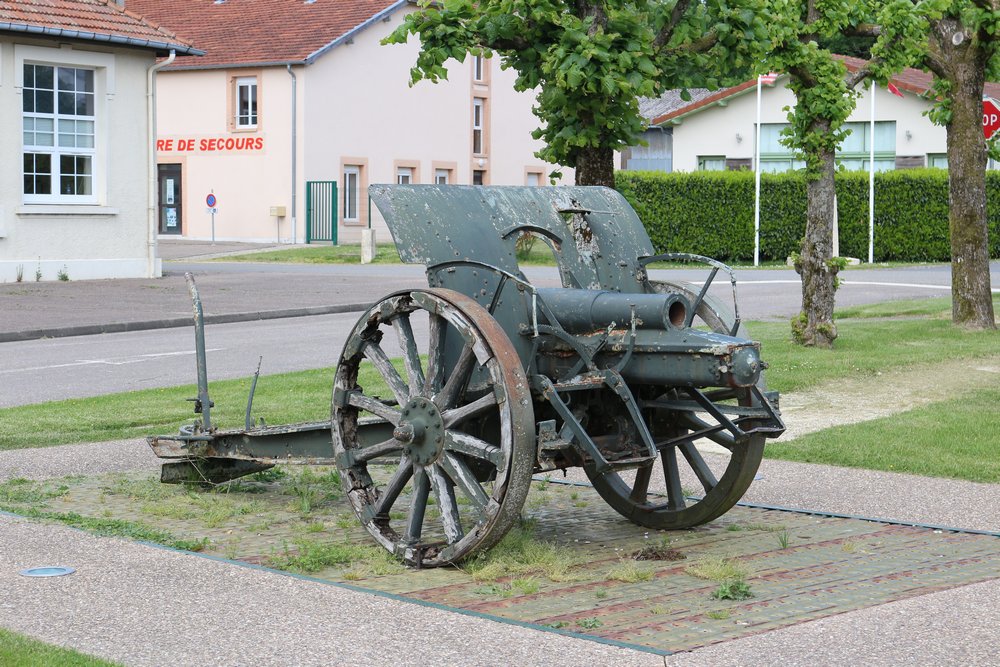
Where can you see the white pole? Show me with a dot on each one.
(871, 184)
(756, 186)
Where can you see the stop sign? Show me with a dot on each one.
(991, 117)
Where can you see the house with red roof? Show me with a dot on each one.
(76, 80)
(716, 130)
(296, 107)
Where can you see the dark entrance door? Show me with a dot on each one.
(169, 178)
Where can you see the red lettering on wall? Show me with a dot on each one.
(210, 145)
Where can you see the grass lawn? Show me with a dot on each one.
(877, 339)
(539, 255)
(959, 438)
(20, 651)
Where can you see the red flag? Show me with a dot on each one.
(894, 90)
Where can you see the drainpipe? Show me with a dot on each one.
(294, 147)
(152, 194)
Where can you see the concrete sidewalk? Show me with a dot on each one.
(144, 605)
(83, 307)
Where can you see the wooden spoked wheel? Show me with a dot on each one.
(657, 494)
(453, 475)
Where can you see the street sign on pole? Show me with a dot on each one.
(991, 117)
(213, 208)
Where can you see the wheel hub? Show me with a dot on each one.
(421, 430)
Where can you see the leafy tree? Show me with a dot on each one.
(826, 94)
(591, 59)
(958, 41)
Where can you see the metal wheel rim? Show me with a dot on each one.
(739, 473)
(491, 508)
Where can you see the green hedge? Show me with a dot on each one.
(711, 213)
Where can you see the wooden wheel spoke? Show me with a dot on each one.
(455, 385)
(640, 489)
(418, 505)
(701, 469)
(463, 478)
(474, 409)
(375, 354)
(411, 356)
(376, 407)
(389, 446)
(389, 493)
(435, 354)
(463, 443)
(444, 492)
(671, 474)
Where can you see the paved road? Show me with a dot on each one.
(59, 368)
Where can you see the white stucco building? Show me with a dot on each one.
(293, 99)
(717, 129)
(75, 86)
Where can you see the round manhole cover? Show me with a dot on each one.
(47, 571)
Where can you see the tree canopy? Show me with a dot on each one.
(590, 60)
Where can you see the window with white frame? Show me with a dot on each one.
(937, 160)
(478, 65)
(478, 104)
(404, 175)
(442, 176)
(58, 133)
(854, 153)
(246, 102)
(352, 186)
(711, 162)
(533, 178)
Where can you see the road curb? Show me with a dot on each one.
(169, 323)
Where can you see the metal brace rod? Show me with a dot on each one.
(202, 403)
(717, 266)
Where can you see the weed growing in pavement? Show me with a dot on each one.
(719, 615)
(514, 587)
(19, 277)
(520, 553)
(783, 539)
(20, 491)
(62, 274)
(629, 572)
(719, 569)
(378, 562)
(736, 589)
(309, 556)
(312, 489)
(601, 593)
(591, 623)
(729, 572)
(274, 474)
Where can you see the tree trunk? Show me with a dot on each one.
(971, 299)
(814, 325)
(595, 166)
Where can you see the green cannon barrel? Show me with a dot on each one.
(582, 311)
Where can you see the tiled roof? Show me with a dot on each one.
(259, 32)
(653, 107)
(88, 20)
(911, 80)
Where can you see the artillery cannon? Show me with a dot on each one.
(645, 385)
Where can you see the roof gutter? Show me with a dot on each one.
(164, 47)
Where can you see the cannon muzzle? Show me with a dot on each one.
(582, 310)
